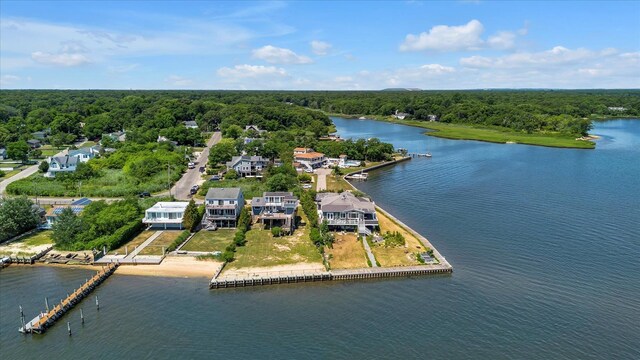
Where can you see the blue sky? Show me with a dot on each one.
(319, 45)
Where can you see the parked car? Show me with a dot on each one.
(201, 169)
(145, 194)
(192, 165)
(215, 178)
(194, 189)
(306, 186)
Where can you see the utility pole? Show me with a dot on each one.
(169, 177)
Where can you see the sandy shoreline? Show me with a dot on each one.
(172, 266)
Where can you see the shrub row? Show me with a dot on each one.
(118, 238)
(179, 240)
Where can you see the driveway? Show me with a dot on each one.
(322, 178)
(30, 170)
(181, 190)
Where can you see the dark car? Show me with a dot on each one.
(194, 189)
(215, 178)
(201, 169)
(145, 194)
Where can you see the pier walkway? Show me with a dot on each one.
(367, 248)
(40, 323)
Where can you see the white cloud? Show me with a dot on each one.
(446, 38)
(121, 69)
(436, 69)
(320, 47)
(276, 55)
(250, 71)
(178, 81)
(60, 59)
(6, 80)
(502, 40)
(465, 37)
(558, 55)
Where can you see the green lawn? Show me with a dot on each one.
(250, 187)
(210, 240)
(131, 245)
(111, 183)
(39, 238)
(262, 249)
(161, 242)
(496, 134)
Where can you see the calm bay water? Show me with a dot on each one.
(545, 245)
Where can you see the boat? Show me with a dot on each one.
(359, 176)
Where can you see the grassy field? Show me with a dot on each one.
(29, 245)
(396, 256)
(347, 252)
(131, 245)
(210, 240)
(111, 183)
(263, 250)
(161, 242)
(250, 187)
(496, 134)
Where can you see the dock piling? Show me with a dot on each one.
(46, 303)
(81, 316)
(97, 304)
(69, 327)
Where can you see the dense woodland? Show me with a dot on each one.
(147, 114)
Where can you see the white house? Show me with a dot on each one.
(83, 154)
(400, 115)
(165, 215)
(248, 165)
(63, 163)
(309, 158)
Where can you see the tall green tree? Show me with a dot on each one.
(66, 229)
(17, 216)
(222, 152)
(18, 150)
(191, 216)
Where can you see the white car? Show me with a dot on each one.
(192, 165)
(306, 186)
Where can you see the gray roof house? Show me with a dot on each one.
(120, 136)
(63, 163)
(190, 124)
(83, 154)
(248, 165)
(222, 207)
(347, 211)
(276, 209)
(34, 143)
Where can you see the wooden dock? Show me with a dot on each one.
(40, 323)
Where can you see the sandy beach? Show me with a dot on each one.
(174, 266)
(257, 271)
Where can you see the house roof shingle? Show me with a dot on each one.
(223, 193)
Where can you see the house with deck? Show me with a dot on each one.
(345, 211)
(52, 214)
(64, 163)
(248, 166)
(165, 215)
(276, 209)
(400, 115)
(222, 207)
(309, 158)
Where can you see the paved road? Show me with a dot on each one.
(322, 178)
(29, 171)
(193, 176)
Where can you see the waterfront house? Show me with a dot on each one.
(432, 117)
(165, 215)
(309, 158)
(190, 124)
(346, 211)
(275, 209)
(222, 207)
(248, 166)
(34, 143)
(52, 214)
(3, 153)
(64, 163)
(83, 154)
(400, 115)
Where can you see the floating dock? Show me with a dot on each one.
(40, 323)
